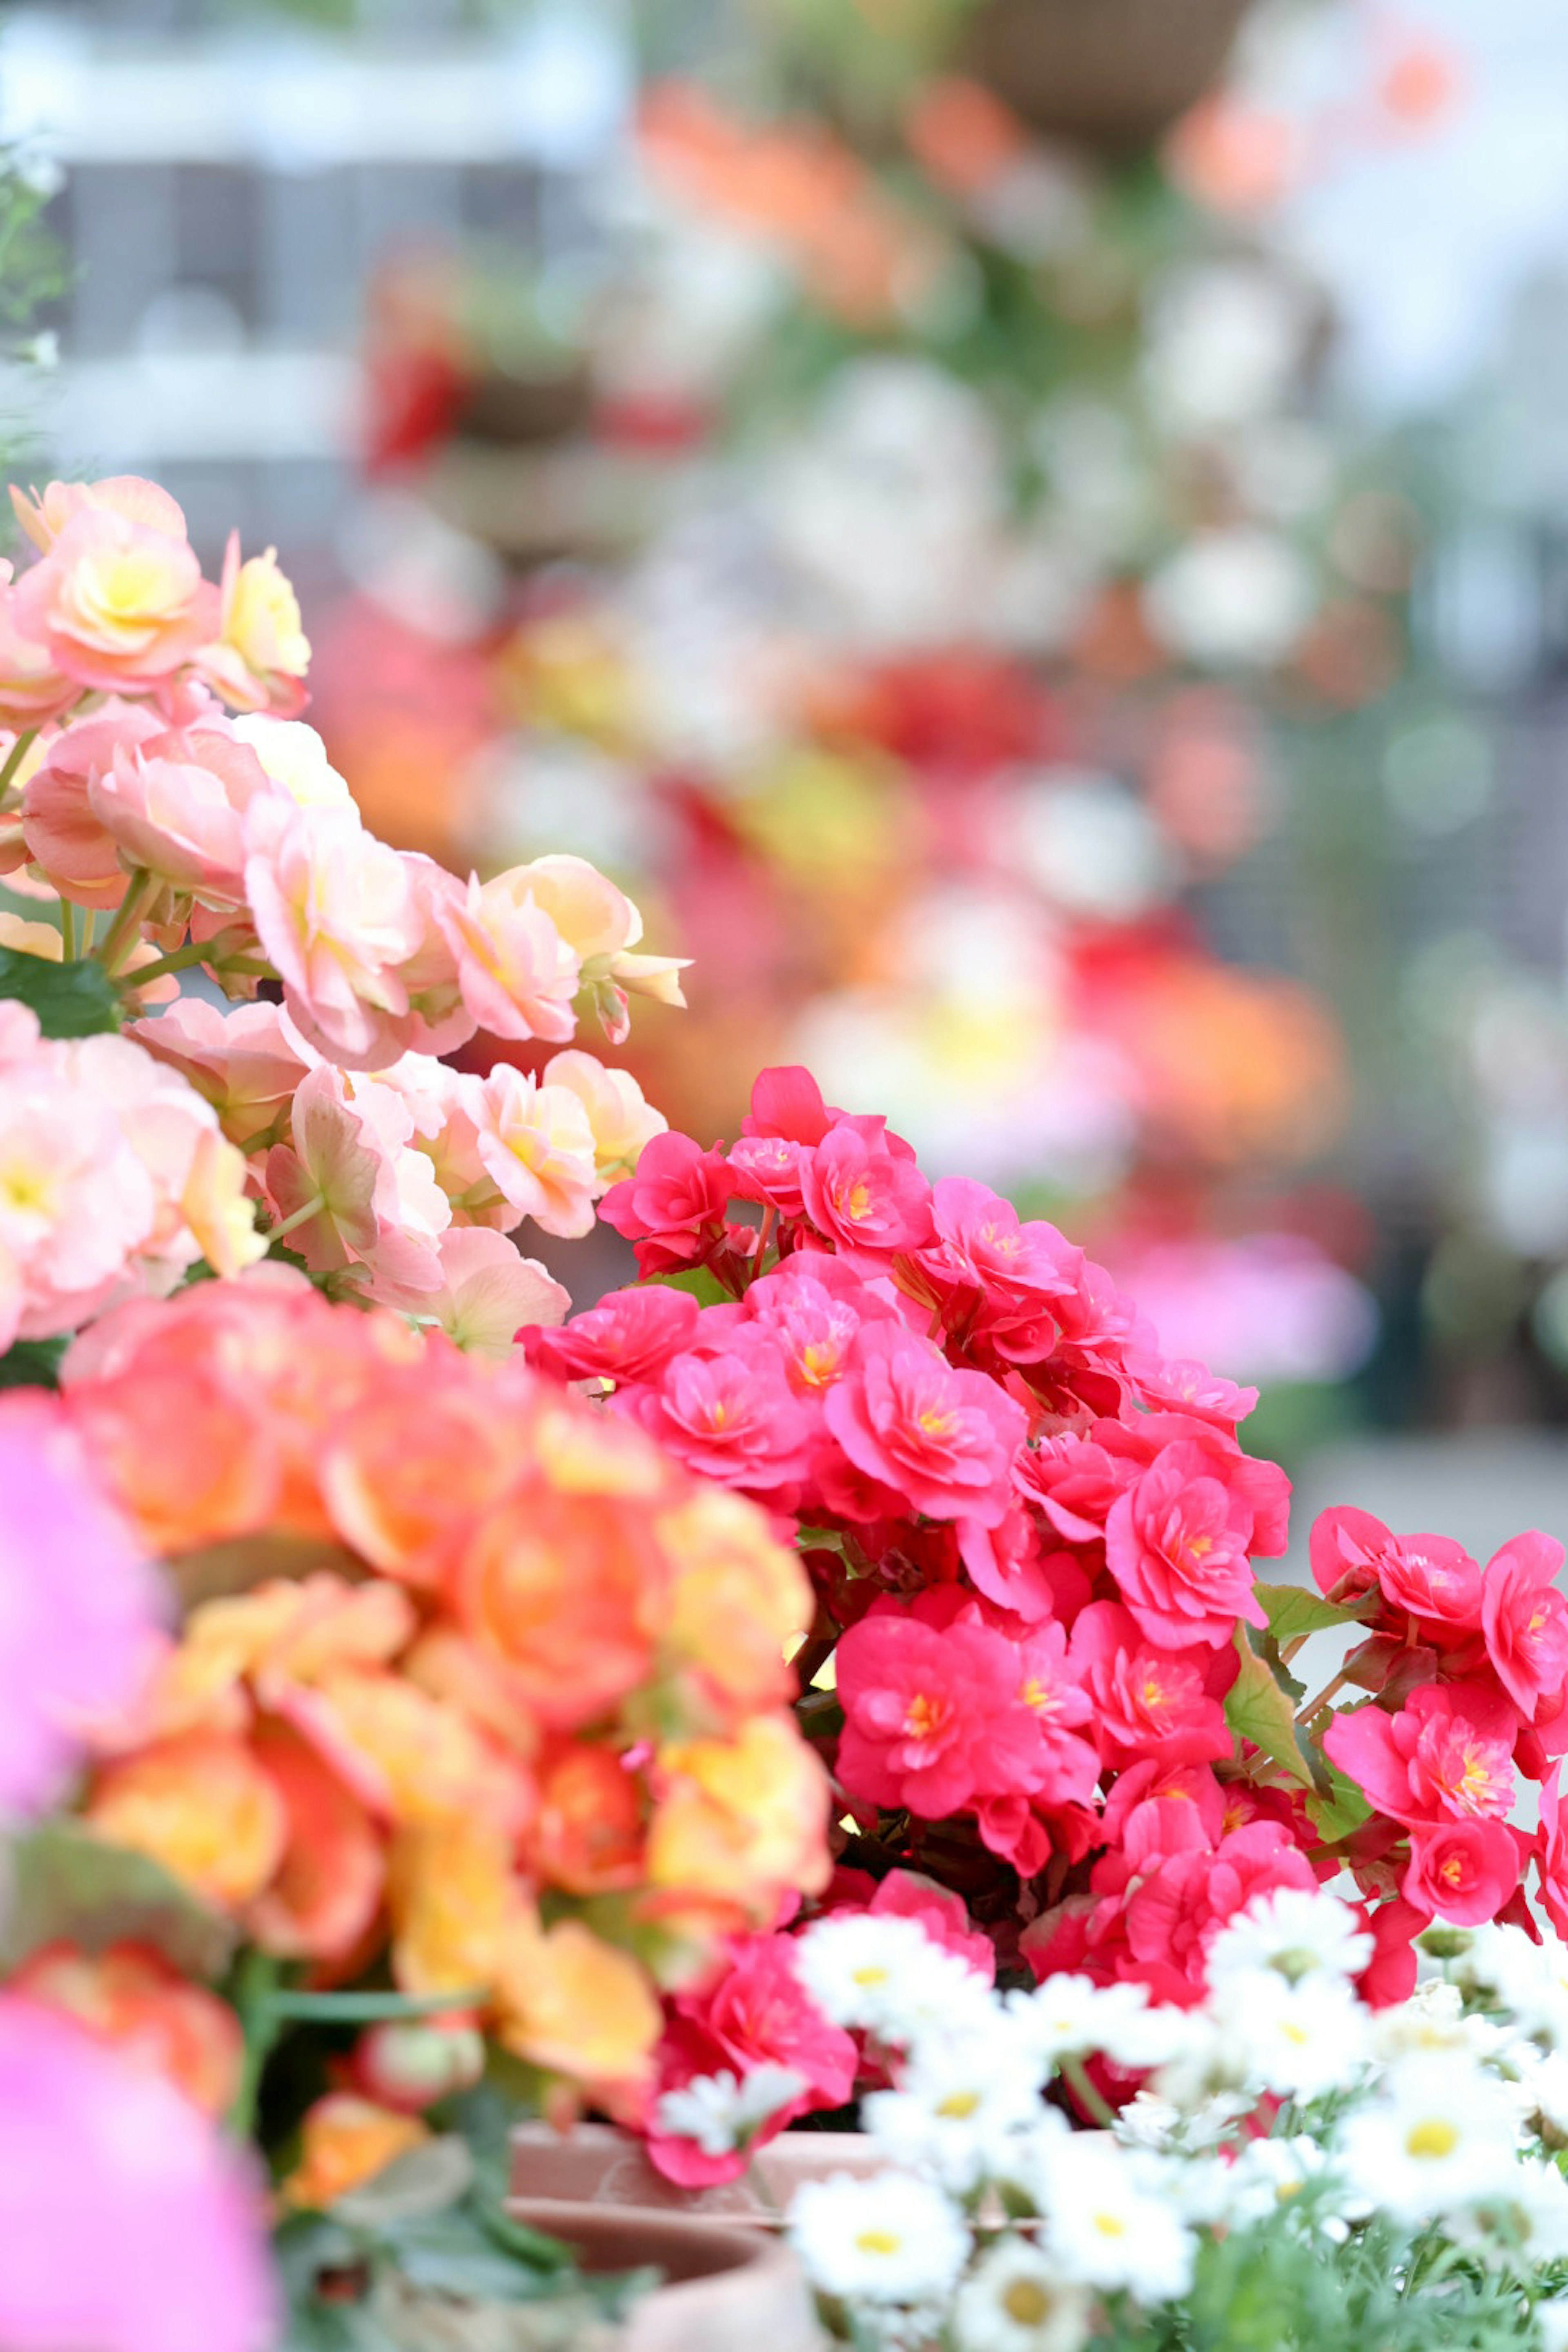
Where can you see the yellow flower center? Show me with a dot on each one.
(1026, 2302)
(958, 2104)
(1434, 2137)
(925, 1716)
(1111, 2225)
(873, 1973)
(878, 2242)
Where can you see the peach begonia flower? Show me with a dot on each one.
(376, 1200)
(411, 1758)
(620, 1115)
(32, 689)
(516, 973)
(202, 1806)
(258, 660)
(284, 1631)
(240, 1062)
(600, 926)
(174, 805)
(452, 1895)
(345, 2141)
(741, 1822)
(320, 1902)
(739, 1601)
(335, 913)
(295, 757)
(568, 2002)
(401, 1487)
(44, 516)
(587, 1835)
(535, 1144)
(64, 835)
(132, 1996)
(116, 603)
(490, 1292)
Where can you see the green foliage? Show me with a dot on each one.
(33, 1363)
(71, 1000)
(699, 1282)
(1257, 1709)
(68, 1885)
(1293, 1610)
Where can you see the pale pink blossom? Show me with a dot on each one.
(44, 517)
(243, 1063)
(31, 689)
(174, 805)
(374, 1200)
(334, 911)
(536, 1144)
(116, 603)
(76, 1202)
(621, 1117)
(602, 927)
(176, 1135)
(66, 837)
(517, 974)
(295, 757)
(490, 1292)
(258, 660)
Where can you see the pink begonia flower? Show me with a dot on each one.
(1525, 1621)
(176, 2258)
(80, 1606)
(1428, 1577)
(932, 1716)
(1006, 1282)
(64, 833)
(812, 1306)
(944, 1440)
(1181, 1384)
(1176, 1544)
(1157, 1809)
(241, 1061)
(600, 926)
(258, 660)
(1074, 1481)
(624, 1121)
(490, 1292)
(116, 603)
(787, 1103)
(1463, 1872)
(334, 911)
(1061, 1706)
(198, 1177)
(629, 1336)
(754, 2013)
(1261, 1488)
(536, 1145)
(862, 1196)
(377, 1204)
(32, 690)
(76, 1202)
(1174, 1913)
(1447, 1755)
(1010, 1565)
(1551, 1855)
(767, 1168)
(1145, 1700)
(730, 1416)
(43, 517)
(175, 805)
(673, 1208)
(516, 973)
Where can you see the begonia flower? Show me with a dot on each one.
(943, 1439)
(115, 601)
(259, 656)
(1524, 1620)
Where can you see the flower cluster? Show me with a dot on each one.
(1372, 2179)
(155, 777)
(507, 1655)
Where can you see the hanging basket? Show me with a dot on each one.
(1107, 73)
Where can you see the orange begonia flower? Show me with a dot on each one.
(452, 1895)
(742, 1821)
(135, 1997)
(405, 1472)
(575, 2005)
(328, 1885)
(426, 1761)
(200, 1804)
(739, 1598)
(588, 1833)
(344, 2142)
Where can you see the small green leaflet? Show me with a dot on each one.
(71, 1000)
(1292, 1610)
(1344, 1807)
(1256, 1710)
(699, 1284)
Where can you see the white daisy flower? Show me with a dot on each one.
(1435, 2020)
(1016, 2301)
(1073, 2017)
(1552, 2320)
(1523, 2221)
(721, 2112)
(957, 2104)
(1293, 1932)
(1269, 2174)
(889, 2239)
(1302, 2038)
(885, 1975)
(1111, 2219)
(1440, 2136)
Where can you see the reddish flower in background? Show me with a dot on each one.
(629, 1336)
(673, 1208)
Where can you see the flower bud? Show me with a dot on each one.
(409, 2064)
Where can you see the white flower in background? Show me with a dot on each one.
(886, 1976)
(1111, 2218)
(1239, 598)
(1440, 2136)
(1530, 1980)
(1524, 2221)
(1433, 2019)
(1293, 1932)
(1542, 2092)
(890, 2238)
(959, 2102)
(1073, 2017)
(1270, 2175)
(1016, 2301)
(1300, 2040)
(721, 2112)
(1089, 844)
(1223, 341)
(1552, 2320)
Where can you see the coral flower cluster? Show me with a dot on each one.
(1047, 1676)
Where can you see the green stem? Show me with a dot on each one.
(181, 960)
(370, 2008)
(302, 1216)
(125, 922)
(254, 1993)
(68, 930)
(1075, 2072)
(15, 756)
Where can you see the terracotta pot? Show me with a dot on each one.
(1112, 73)
(596, 2166)
(723, 2288)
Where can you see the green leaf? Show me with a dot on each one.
(1256, 1710)
(33, 1363)
(700, 1283)
(368, 2008)
(71, 1000)
(1341, 1810)
(70, 1886)
(1293, 1610)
